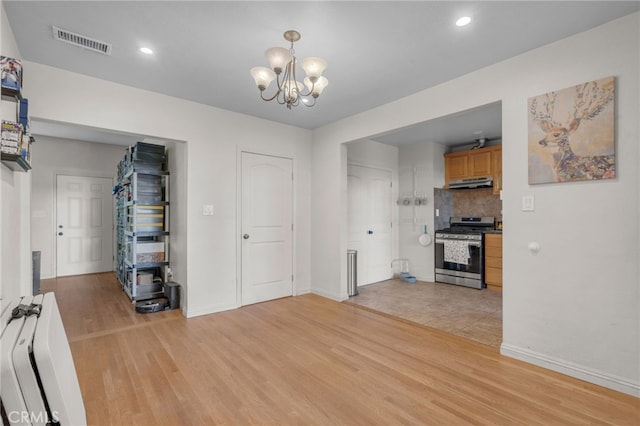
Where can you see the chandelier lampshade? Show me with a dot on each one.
(278, 58)
(314, 67)
(263, 76)
(283, 64)
(317, 87)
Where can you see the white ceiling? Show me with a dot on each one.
(377, 51)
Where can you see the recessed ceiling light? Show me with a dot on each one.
(463, 21)
(146, 51)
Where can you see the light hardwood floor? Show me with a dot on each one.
(304, 360)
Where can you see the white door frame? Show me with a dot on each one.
(53, 245)
(239, 219)
(394, 209)
(54, 225)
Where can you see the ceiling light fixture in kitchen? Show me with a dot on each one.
(283, 69)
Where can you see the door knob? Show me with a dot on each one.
(370, 232)
(245, 236)
(59, 233)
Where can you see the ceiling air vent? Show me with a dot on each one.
(81, 41)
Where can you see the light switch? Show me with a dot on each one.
(207, 209)
(437, 212)
(528, 204)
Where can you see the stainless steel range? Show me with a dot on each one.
(460, 251)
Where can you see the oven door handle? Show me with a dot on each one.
(470, 243)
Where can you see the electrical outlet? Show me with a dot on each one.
(207, 209)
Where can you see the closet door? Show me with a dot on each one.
(369, 221)
(267, 228)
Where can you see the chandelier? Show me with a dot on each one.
(283, 62)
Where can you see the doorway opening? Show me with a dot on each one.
(422, 205)
(65, 149)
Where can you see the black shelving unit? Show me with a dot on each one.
(142, 218)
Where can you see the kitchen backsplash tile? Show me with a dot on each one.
(476, 202)
(443, 201)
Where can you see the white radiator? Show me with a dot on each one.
(39, 384)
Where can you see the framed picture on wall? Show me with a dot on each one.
(11, 75)
(571, 133)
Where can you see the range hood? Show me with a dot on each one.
(480, 182)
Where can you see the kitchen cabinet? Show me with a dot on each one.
(493, 261)
(456, 166)
(475, 163)
(496, 170)
(479, 163)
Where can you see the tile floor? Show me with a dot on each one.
(466, 312)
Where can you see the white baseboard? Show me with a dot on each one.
(205, 310)
(328, 295)
(574, 370)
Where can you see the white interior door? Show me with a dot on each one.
(267, 228)
(369, 222)
(84, 211)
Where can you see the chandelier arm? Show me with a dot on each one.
(309, 93)
(271, 98)
(279, 82)
(278, 90)
(313, 85)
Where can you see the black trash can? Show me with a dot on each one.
(172, 292)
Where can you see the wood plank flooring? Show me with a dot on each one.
(304, 360)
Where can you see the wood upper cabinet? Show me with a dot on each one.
(473, 164)
(456, 167)
(493, 261)
(479, 163)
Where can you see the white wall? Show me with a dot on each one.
(214, 138)
(575, 306)
(426, 161)
(377, 155)
(15, 251)
(51, 157)
(178, 167)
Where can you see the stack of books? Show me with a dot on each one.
(11, 136)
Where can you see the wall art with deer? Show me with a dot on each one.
(571, 133)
